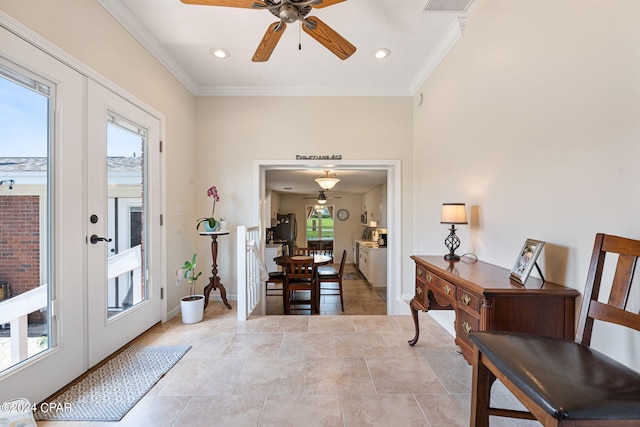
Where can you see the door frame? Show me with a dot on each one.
(395, 304)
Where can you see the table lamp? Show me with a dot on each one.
(453, 213)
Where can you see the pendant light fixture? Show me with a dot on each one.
(327, 182)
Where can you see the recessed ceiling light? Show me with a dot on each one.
(220, 53)
(381, 53)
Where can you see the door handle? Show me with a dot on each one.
(95, 239)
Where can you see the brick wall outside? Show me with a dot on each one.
(20, 244)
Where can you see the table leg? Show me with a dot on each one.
(414, 313)
(214, 280)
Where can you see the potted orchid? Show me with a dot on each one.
(191, 306)
(210, 223)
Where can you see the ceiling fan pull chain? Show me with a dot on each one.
(300, 36)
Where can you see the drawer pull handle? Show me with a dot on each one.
(418, 291)
(429, 278)
(466, 299)
(419, 271)
(467, 327)
(447, 289)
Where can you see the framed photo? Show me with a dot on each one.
(526, 260)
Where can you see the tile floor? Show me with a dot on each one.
(275, 370)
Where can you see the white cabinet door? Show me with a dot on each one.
(271, 253)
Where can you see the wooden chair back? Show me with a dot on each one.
(614, 310)
(300, 275)
(302, 251)
(300, 268)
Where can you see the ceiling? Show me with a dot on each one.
(301, 181)
(181, 36)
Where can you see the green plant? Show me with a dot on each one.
(189, 272)
(211, 192)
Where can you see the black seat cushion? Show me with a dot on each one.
(567, 379)
(276, 275)
(300, 280)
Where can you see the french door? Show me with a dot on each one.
(54, 177)
(95, 189)
(123, 222)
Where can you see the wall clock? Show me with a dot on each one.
(343, 214)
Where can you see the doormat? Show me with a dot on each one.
(110, 391)
(353, 276)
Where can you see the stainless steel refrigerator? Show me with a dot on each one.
(287, 230)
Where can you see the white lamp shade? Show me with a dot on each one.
(453, 213)
(327, 182)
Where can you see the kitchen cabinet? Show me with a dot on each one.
(272, 251)
(374, 203)
(372, 263)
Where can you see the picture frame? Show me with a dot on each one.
(526, 260)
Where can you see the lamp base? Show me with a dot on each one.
(452, 257)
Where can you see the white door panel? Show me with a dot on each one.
(123, 159)
(64, 361)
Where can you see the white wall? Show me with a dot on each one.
(533, 121)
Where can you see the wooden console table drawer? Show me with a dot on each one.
(465, 324)
(446, 289)
(421, 292)
(484, 298)
(469, 300)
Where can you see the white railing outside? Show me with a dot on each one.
(15, 310)
(125, 262)
(251, 271)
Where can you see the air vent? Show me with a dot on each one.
(447, 5)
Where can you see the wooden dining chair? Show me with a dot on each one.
(302, 251)
(327, 249)
(329, 275)
(276, 278)
(300, 279)
(561, 382)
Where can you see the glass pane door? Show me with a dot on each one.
(25, 110)
(125, 210)
(320, 227)
(123, 233)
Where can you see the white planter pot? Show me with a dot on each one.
(223, 225)
(192, 310)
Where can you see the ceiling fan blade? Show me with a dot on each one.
(229, 3)
(328, 38)
(326, 3)
(269, 42)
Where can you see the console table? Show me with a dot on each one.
(484, 298)
(214, 280)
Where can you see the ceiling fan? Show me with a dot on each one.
(322, 198)
(290, 11)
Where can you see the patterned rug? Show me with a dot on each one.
(110, 391)
(353, 276)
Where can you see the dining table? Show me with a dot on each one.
(318, 260)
